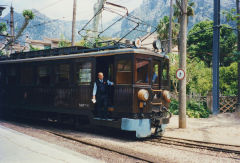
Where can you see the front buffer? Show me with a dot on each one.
(141, 126)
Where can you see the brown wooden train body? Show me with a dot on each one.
(63, 84)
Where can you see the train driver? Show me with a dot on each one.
(100, 94)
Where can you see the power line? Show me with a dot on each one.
(50, 5)
(46, 22)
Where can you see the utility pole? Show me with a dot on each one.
(97, 7)
(170, 28)
(74, 21)
(12, 26)
(183, 63)
(215, 58)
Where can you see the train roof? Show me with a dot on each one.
(73, 52)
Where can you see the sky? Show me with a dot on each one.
(62, 9)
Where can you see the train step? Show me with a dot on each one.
(106, 122)
(104, 119)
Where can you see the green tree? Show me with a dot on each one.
(177, 12)
(200, 43)
(3, 28)
(28, 15)
(198, 75)
(32, 48)
(228, 79)
(163, 28)
(233, 17)
(63, 42)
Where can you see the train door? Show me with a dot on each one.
(83, 70)
(105, 65)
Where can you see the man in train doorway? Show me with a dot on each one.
(100, 94)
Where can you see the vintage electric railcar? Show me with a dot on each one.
(58, 83)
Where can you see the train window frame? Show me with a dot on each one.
(129, 71)
(14, 68)
(57, 73)
(165, 62)
(148, 71)
(48, 67)
(154, 61)
(28, 70)
(77, 69)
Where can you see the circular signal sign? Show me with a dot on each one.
(180, 74)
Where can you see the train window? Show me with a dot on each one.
(84, 71)
(11, 76)
(142, 68)
(165, 70)
(155, 69)
(63, 73)
(43, 75)
(27, 75)
(124, 71)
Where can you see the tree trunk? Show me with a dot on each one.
(18, 34)
(22, 29)
(170, 29)
(182, 65)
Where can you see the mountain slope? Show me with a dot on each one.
(42, 26)
(152, 11)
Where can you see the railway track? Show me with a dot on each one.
(138, 156)
(232, 150)
(216, 147)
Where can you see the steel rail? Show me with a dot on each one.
(101, 147)
(199, 141)
(196, 144)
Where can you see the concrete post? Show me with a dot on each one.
(74, 22)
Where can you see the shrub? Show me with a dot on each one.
(194, 109)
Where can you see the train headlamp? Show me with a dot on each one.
(137, 43)
(167, 96)
(143, 95)
(157, 44)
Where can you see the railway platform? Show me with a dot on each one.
(16, 147)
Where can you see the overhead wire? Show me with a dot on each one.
(46, 22)
(50, 5)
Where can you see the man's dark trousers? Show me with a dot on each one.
(102, 98)
(102, 103)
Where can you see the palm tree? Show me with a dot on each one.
(163, 28)
(28, 15)
(177, 12)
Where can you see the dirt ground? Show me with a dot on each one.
(222, 128)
